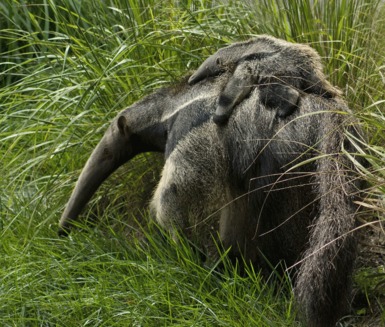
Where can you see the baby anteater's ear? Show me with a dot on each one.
(316, 83)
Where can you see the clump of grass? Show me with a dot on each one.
(90, 279)
(66, 68)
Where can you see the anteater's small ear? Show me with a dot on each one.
(123, 126)
(319, 85)
(314, 81)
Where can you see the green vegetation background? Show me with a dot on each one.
(66, 68)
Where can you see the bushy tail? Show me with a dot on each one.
(324, 279)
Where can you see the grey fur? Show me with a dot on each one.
(281, 190)
(258, 62)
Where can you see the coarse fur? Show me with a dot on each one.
(258, 62)
(281, 190)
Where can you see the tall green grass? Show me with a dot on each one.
(66, 68)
